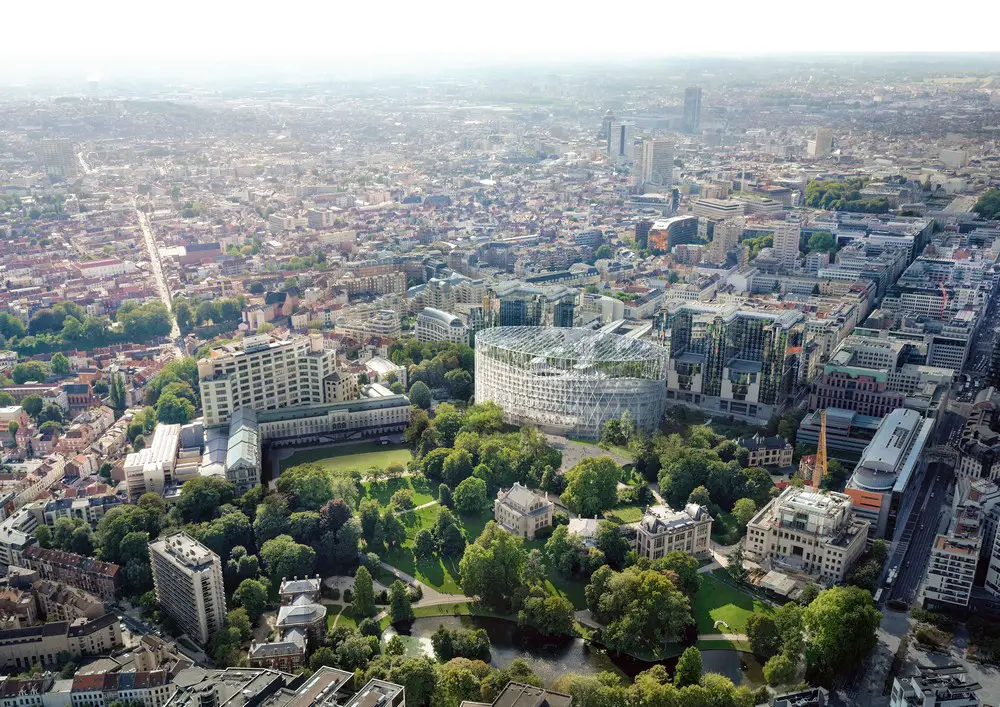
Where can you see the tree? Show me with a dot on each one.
(592, 486)
(173, 410)
(744, 510)
(491, 568)
(470, 496)
(59, 363)
(364, 593)
(12, 428)
(424, 544)
(603, 252)
(44, 536)
(283, 557)
(393, 530)
(988, 205)
(459, 383)
(779, 670)
(420, 395)
(840, 627)
(32, 404)
(700, 496)
(688, 671)
(271, 518)
(763, 635)
(201, 497)
(457, 468)
(642, 610)
(809, 592)
(445, 496)
(612, 543)
(685, 567)
(880, 551)
(549, 615)
(400, 606)
(449, 536)
(29, 371)
(252, 596)
(323, 656)
(822, 242)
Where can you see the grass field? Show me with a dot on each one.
(383, 490)
(716, 601)
(350, 456)
(346, 616)
(625, 514)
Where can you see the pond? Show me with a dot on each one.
(552, 658)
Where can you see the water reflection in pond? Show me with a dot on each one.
(551, 658)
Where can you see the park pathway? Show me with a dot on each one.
(417, 508)
(722, 637)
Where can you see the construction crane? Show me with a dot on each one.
(819, 466)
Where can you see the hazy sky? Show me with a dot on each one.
(114, 37)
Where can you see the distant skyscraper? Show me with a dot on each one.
(692, 110)
(58, 156)
(657, 166)
(823, 144)
(606, 124)
(621, 142)
(786, 243)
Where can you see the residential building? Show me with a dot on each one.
(521, 511)
(40, 646)
(767, 451)
(61, 602)
(733, 361)
(340, 386)
(787, 236)
(16, 537)
(807, 532)
(951, 569)
(887, 466)
(943, 686)
(810, 697)
(100, 578)
(189, 587)
(822, 145)
(692, 110)
(621, 142)
(979, 446)
(152, 468)
(264, 374)
(517, 694)
(664, 530)
(435, 325)
(151, 688)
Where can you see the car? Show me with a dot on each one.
(932, 494)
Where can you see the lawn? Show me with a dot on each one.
(350, 456)
(383, 490)
(716, 601)
(346, 616)
(437, 572)
(625, 514)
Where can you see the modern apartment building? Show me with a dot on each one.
(732, 361)
(786, 243)
(953, 561)
(189, 587)
(887, 467)
(806, 532)
(521, 511)
(264, 374)
(943, 686)
(435, 325)
(664, 530)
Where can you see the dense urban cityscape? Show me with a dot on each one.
(672, 384)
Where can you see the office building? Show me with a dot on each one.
(189, 587)
(943, 686)
(521, 511)
(730, 360)
(152, 468)
(435, 325)
(621, 142)
(666, 233)
(725, 239)
(692, 110)
(807, 532)
(570, 381)
(887, 466)
(657, 165)
(718, 209)
(522, 304)
(264, 374)
(786, 243)
(979, 446)
(664, 530)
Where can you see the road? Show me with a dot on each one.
(157, 267)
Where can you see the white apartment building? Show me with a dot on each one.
(150, 469)
(786, 243)
(188, 580)
(16, 536)
(807, 532)
(664, 530)
(435, 325)
(953, 561)
(264, 374)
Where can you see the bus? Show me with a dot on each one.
(878, 595)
